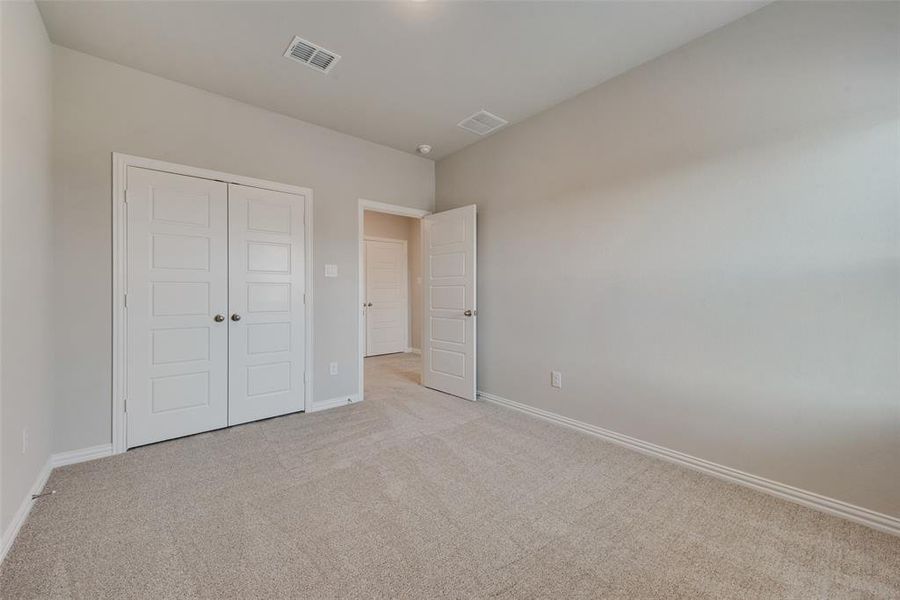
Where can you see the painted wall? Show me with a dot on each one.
(415, 283)
(27, 255)
(403, 228)
(708, 248)
(101, 107)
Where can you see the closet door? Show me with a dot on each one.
(266, 300)
(177, 299)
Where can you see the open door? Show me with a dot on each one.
(448, 340)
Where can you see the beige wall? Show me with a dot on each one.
(403, 228)
(707, 248)
(27, 257)
(385, 225)
(101, 107)
(415, 282)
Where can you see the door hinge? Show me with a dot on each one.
(305, 377)
(126, 300)
(304, 297)
(125, 195)
(125, 400)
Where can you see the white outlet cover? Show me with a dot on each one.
(331, 271)
(333, 368)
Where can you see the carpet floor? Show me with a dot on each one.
(415, 494)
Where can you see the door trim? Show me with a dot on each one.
(120, 164)
(382, 207)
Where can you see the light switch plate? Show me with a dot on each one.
(330, 270)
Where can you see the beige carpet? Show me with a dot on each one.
(414, 494)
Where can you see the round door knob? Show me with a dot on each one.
(369, 304)
(235, 317)
(468, 313)
(219, 318)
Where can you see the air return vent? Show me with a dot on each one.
(311, 55)
(482, 123)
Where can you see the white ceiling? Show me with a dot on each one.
(409, 72)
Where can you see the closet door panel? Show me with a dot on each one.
(177, 353)
(266, 296)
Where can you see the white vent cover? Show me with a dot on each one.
(311, 55)
(482, 123)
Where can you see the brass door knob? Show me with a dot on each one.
(219, 318)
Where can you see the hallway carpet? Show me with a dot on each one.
(414, 494)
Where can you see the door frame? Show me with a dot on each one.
(391, 209)
(362, 272)
(120, 164)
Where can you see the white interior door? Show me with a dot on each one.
(266, 298)
(177, 365)
(387, 297)
(448, 352)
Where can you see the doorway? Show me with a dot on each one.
(390, 281)
(438, 280)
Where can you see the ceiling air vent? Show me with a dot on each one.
(311, 55)
(482, 123)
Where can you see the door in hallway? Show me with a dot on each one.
(448, 341)
(387, 298)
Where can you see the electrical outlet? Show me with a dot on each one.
(556, 379)
(332, 368)
(24, 440)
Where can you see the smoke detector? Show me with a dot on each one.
(482, 123)
(423, 149)
(311, 55)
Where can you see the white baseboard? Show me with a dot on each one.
(825, 504)
(414, 351)
(76, 456)
(56, 460)
(333, 403)
(12, 530)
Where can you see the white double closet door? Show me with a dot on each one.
(215, 305)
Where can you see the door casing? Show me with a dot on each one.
(120, 164)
